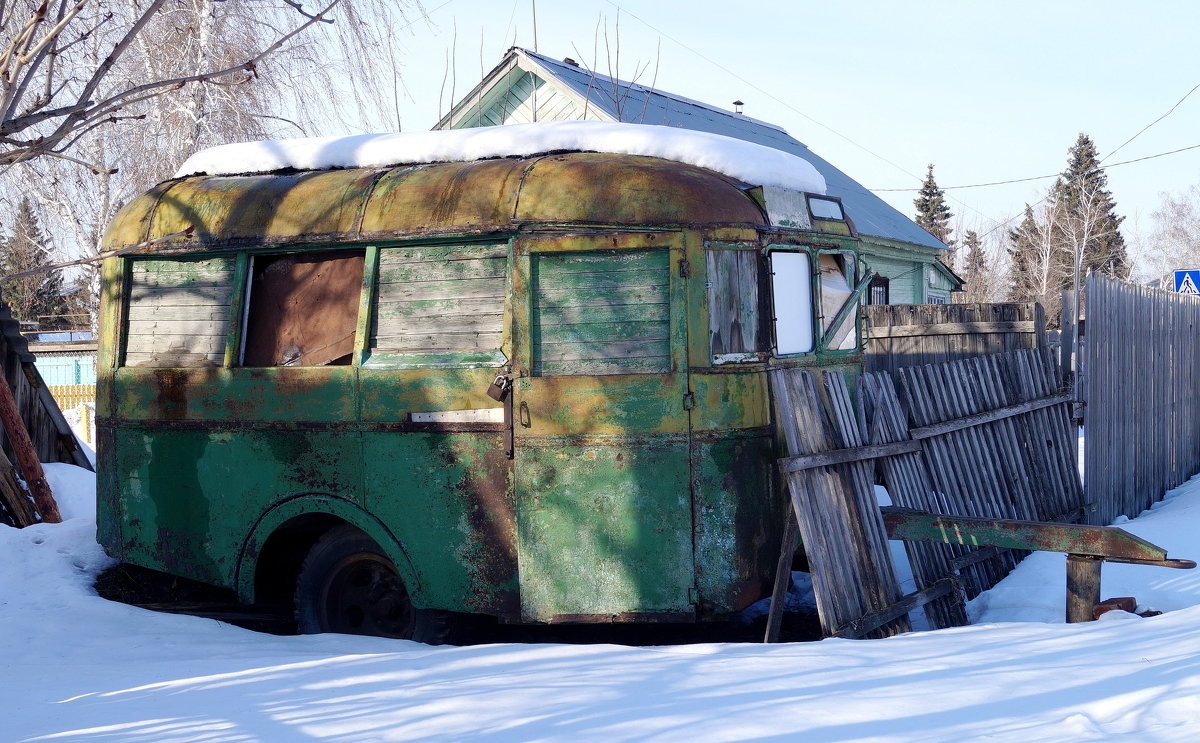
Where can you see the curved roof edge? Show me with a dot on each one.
(477, 197)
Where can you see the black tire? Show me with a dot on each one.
(349, 586)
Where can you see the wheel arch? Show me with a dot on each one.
(283, 534)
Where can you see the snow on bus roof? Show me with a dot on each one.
(753, 163)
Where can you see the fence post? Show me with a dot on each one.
(1067, 338)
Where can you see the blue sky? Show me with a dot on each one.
(984, 91)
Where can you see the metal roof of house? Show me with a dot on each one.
(635, 103)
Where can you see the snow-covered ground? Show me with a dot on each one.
(75, 667)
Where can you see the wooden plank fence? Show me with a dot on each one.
(986, 437)
(1141, 374)
(904, 335)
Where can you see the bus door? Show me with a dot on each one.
(601, 426)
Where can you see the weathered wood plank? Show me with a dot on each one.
(989, 416)
(185, 296)
(565, 282)
(480, 323)
(189, 312)
(567, 316)
(176, 267)
(394, 270)
(171, 327)
(638, 296)
(390, 257)
(559, 264)
(954, 328)
(488, 288)
(150, 344)
(641, 332)
(844, 456)
(173, 358)
(387, 311)
(590, 351)
(434, 342)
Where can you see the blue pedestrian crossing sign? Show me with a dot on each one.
(1188, 282)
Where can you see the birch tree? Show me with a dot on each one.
(130, 89)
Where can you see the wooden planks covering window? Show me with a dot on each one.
(179, 312)
(733, 303)
(440, 305)
(605, 312)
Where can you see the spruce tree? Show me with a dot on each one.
(1023, 258)
(975, 268)
(38, 295)
(1086, 218)
(933, 214)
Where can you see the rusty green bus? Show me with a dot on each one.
(533, 388)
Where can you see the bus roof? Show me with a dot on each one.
(478, 197)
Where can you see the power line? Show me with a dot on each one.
(1152, 123)
(782, 102)
(744, 81)
(1052, 175)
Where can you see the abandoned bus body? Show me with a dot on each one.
(528, 387)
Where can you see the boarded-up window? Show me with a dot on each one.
(601, 313)
(733, 316)
(303, 308)
(440, 305)
(178, 312)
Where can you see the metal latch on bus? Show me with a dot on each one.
(500, 390)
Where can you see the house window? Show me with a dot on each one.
(878, 291)
(937, 297)
(303, 308)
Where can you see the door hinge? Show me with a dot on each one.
(693, 595)
(685, 270)
(689, 401)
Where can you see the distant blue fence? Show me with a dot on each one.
(72, 369)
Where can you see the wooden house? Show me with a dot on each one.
(902, 253)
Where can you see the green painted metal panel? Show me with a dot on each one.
(604, 528)
(325, 394)
(188, 497)
(448, 499)
(579, 297)
(738, 514)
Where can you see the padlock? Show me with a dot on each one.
(499, 388)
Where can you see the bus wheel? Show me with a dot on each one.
(347, 585)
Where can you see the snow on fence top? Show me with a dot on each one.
(746, 161)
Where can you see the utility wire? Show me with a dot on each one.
(784, 103)
(1152, 123)
(1052, 175)
(768, 94)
